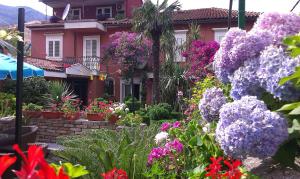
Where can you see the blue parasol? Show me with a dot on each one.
(8, 67)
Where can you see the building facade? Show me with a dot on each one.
(72, 49)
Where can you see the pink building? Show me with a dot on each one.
(72, 50)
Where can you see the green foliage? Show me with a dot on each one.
(194, 33)
(209, 82)
(294, 78)
(130, 119)
(132, 106)
(32, 107)
(293, 44)
(73, 171)
(172, 81)
(159, 111)
(7, 104)
(33, 89)
(101, 150)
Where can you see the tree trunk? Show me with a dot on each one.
(156, 67)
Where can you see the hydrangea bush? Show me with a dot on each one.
(247, 128)
(212, 101)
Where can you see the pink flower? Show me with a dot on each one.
(175, 145)
(165, 126)
(176, 124)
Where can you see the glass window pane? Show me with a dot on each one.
(88, 48)
(94, 47)
(57, 47)
(50, 50)
(99, 11)
(76, 12)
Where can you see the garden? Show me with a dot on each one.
(233, 104)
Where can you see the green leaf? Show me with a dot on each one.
(296, 75)
(295, 111)
(286, 153)
(74, 171)
(289, 107)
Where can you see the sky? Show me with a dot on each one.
(251, 5)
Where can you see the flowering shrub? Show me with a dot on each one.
(212, 101)
(200, 56)
(160, 137)
(71, 107)
(115, 174)
(119, 109)
(246, 127)
(98, 107)
(130, 120)
(239, 46)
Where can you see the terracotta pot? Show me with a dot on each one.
(113, 119)
(72, 117)
(52, 114)
(95, 116)
(32, 114)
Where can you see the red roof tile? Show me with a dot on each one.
(209, 14)
(45, 64)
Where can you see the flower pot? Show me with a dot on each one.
(52, 114)
(32, 114)
(72, 116)
(95, 116)
(113, 119)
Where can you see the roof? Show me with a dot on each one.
(204, 15)
(45, 64)
(209, 14)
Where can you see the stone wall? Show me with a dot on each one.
(50, 129)
(6, 123)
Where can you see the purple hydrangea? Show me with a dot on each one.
(210, 104)
(247, 128)
(244, 81)
(279, 24)
(274, 65)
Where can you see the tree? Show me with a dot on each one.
(155, 20)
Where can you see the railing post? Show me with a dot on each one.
(241, 17)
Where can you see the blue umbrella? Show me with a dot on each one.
(8, 67)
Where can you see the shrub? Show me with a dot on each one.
(33, 89)
(32, 107)
(7, 104)
(160, 111)
(132, 107)
(101, 150)
(131, 119)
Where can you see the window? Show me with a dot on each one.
(180, 37)
(127, 91)
(110, 86)
(54, 45)
(105, 11)
(74, 14)
(219, 33)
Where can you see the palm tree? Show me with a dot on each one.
(155, 20)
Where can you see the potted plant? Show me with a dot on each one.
(118, 111)
(52, 113)
(98, 110)
(71, 108)
(32, 111)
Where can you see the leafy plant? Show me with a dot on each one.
(159, 111)
(73, 171)
(131, 119)
(132, 106)
(293, 43)
(7, 104)
(32, 107)
(102, 150)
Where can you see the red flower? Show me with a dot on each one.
(214, 168)
(115, 174)
(48, 172)
(233, 169)
(34, 157)
(6, 161)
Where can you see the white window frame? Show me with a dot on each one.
(136, 81)
(96, 37)
(218, 33)
(182, 34)
(72, 11)
(54, 37)
(103, 9)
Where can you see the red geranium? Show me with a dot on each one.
(115, 174)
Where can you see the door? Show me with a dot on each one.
(91, 51)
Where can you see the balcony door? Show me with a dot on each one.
(91, 51)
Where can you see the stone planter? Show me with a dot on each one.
(52, 114)
(95, 116)
(32, 114)
(72, 116)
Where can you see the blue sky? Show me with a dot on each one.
(251, 5)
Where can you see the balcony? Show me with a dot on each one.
(84, 65)
(79, 3)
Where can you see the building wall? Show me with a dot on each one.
(130, 5)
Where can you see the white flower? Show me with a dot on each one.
(206, 128)
(162, 136)
(120, 117)
(126, 109)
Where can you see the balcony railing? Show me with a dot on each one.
(91, 62)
